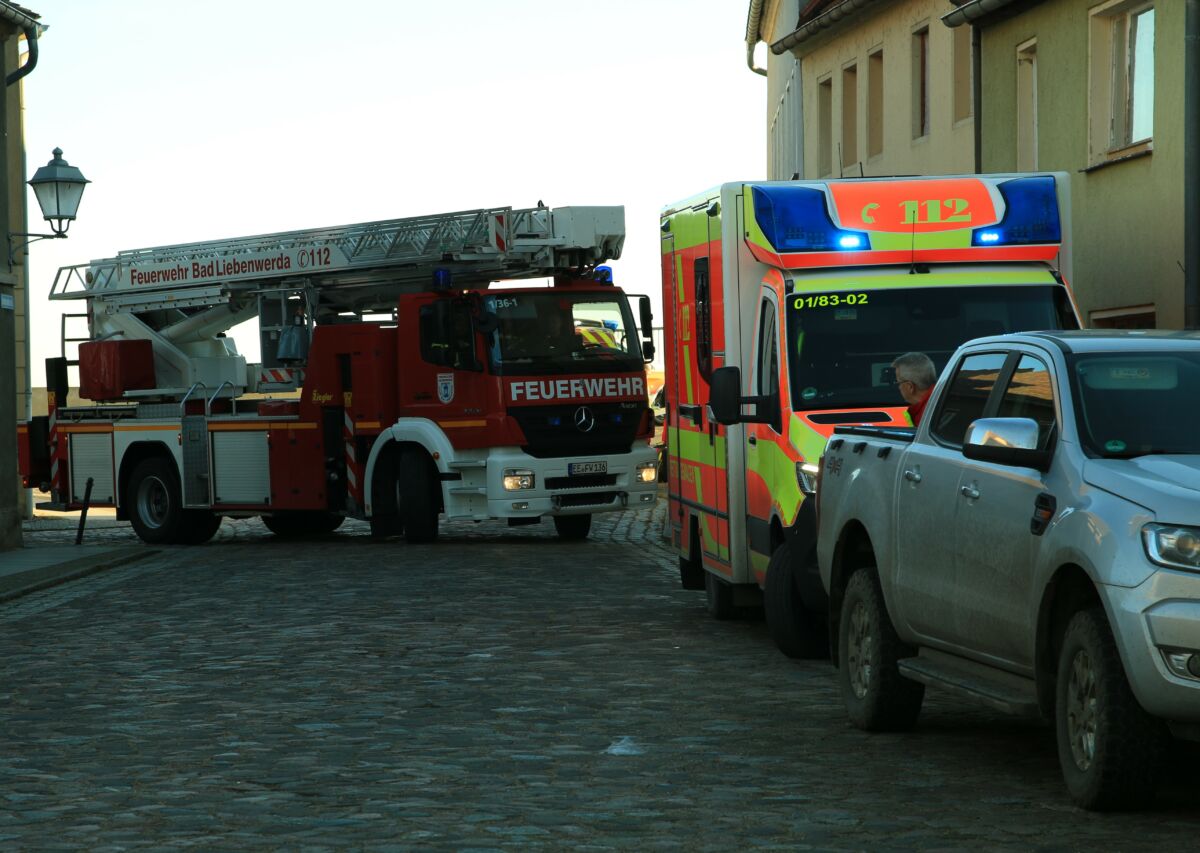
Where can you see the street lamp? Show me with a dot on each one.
(59, 187)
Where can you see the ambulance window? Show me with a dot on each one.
(768, 351)
(703, 320)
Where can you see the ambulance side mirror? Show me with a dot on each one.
(726, 400)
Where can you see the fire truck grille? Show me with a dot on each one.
(592, 429)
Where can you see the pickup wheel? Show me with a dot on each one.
(573, 527)
(418, 497)
(718, 596)
(877, 697)
(1111, 751)
(156, 510)
(797, 632)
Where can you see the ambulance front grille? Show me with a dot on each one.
(552, 431)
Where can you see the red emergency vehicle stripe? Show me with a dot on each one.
(54, 484)
(352, 478)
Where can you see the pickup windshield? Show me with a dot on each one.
(560, 332)
(1137, 403)
(842, 344)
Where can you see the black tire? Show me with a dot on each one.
(877, 697)
(797, 632)
(718, 596)
(418, 497)
(198, 526)
(573, 527)
(1111, 751)
(302, 524)
(155, 503)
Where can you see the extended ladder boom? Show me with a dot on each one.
(360, 267)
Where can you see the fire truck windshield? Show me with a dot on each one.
(841, 344)
(562, 332)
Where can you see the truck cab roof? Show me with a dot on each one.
(1101, 340)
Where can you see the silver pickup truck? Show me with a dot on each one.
(1034, 544)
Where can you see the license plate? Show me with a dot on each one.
(574, 468)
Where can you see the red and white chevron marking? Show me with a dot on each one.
(353, 480)
(280, 374)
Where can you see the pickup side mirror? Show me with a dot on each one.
(726, 400)
(1006, 441)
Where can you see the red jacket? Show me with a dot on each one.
(918, 408)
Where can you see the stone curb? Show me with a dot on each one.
(34, 580)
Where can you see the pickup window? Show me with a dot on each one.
(1137, 403)
(841, 344)
(1030, 394)
(967, 395)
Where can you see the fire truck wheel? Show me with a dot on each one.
(418, 498)
(877, 697)
(573, 526)
(198, 526)
(718, 596)
(302, 524)
(797, 632)
(157, 510)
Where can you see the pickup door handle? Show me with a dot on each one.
(912, 476)
(969, 492)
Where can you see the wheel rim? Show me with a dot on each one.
(1081, 710)
(858, 650)
(153, 502)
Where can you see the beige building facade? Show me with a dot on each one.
(870, 88)
(1095, 88)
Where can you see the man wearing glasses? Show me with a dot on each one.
(915, 377)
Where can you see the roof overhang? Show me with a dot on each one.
(819, 24)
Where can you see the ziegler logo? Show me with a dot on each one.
(318, 397)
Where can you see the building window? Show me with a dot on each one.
(1027, 124)
(1121, 85)
(825, 127)
(849, 116)
(920, 83)
(964, 73)
(1133, 317)
(875, 104)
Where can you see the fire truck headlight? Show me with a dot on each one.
(806, 477)
(517, 479)
(647, 472)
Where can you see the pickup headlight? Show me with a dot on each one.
(647, 472)
(1171, 545)
(517, 480)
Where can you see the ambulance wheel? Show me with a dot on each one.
(691, 570)
(199, 526)
(573, 527)
(718, 596)
(302, 524)
(418, 498)
(796, 632)
(156, 510)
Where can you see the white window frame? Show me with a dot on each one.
(1027, 53)
(1109, 95)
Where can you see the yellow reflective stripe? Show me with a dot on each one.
(857, 280)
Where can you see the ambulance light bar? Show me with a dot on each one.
(796, 219)
(1030, 215)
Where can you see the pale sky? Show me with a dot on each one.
(197, 121)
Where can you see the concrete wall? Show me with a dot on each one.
(948, 147)
(1127, 216)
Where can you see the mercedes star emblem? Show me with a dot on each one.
(584, 419)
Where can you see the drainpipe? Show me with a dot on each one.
(30, 28)
(1191, 165)
(753, 20)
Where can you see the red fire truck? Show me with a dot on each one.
(398, 382)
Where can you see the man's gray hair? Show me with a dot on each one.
(917, 368)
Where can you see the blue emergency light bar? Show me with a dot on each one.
(1030, 215)
(796, 219)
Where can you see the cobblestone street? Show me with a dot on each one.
(498, 689)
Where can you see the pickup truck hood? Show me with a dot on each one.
(1168, 486)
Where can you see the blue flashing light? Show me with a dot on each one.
(554, 420)
(1030, 215)
(611, 325)
(796, 219)
(442, 279)
(604, 273)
